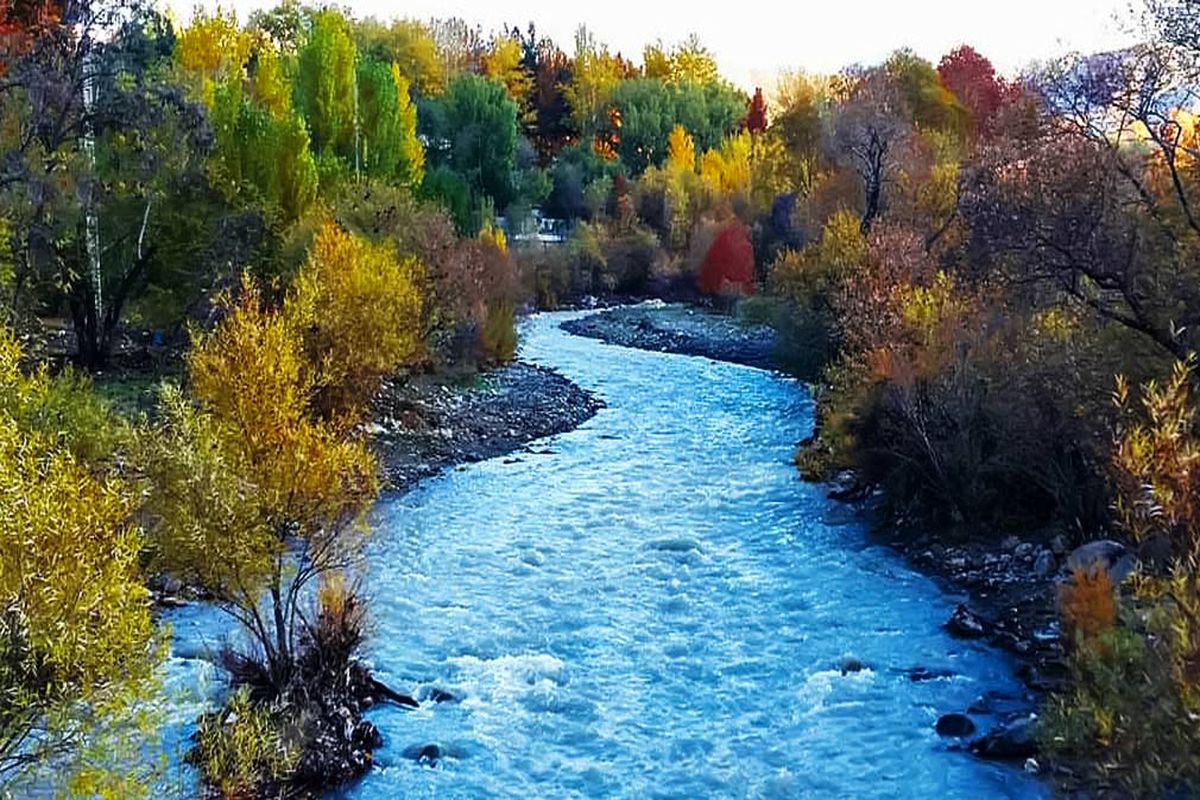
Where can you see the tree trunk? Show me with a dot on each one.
(90, 349)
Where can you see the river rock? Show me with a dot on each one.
(1102, 551)
(919, 674)
(1045, 564)
(1000, 703)
(1010, 543)
(851, 664)
(966, 624)
(955, 725)
(441, 696)
(424, 753)
(1156, 552)
(1016, 741)
(366, 736)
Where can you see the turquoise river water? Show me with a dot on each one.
(653, 606)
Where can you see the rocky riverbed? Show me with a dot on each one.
(424, 425)
(680, 329)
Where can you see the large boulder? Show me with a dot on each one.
(1114, 557)
(1044, 566)
(955, 725)
(1015, 741)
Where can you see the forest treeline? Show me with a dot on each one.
(992, 282)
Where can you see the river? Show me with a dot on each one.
(655, 606)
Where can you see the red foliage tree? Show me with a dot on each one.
(756, 116)
(973, 80)
(729, 264)
(21, 22)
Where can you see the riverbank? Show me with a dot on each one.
(424, 425)
(680, 329)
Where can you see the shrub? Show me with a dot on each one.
(1134, 690)
(547, 277)
(241, 752)
(1087, 604)
(477, 275)
(1123, 716)
(498, 336)
(1156, 463)
(250, 469)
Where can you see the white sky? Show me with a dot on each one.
(754, 39)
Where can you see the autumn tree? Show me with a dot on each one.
(687, 62)
(504, 61)
(756, 113)
(973, 80)
(1054, 211)
(728, 266)
(869, 130)
(552, 127)
(77, 649)
(410, 45)
(68, 162)
(595, 73)
(931, 105)
(256, 488)
(460, 46)
(359, 311)
(797, 133)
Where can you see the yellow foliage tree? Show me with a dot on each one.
(681, 150)
(248, 474)
(76, 637)
(358, 310)
(213, 48)
(270, 86)
(502, 62)
(727, 170)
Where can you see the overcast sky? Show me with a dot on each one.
(754, 39)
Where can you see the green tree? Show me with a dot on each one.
(260, 157)
(389, 145)
(475, 133)
(325, 85)
(649, 109)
